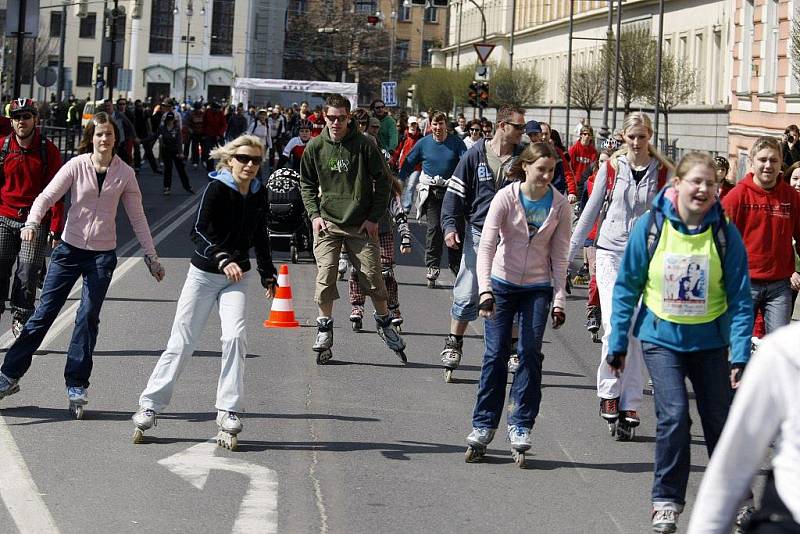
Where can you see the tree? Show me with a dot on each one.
(678, 85)
(521, 87)
(588, 83)
(331, 42)
(637, 54)
(794, 46)
(438, 88)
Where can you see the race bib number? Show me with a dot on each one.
(685, 285)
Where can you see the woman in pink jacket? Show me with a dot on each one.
(520, 275)
(98, 180)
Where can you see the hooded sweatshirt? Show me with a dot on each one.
(582, 157)
(228, 224)
(343, 181)
(767, 220)
(733, 328)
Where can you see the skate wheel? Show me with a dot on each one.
(227, 441)
(448, 375)
(295, 254)
(138, 436)
(324, 357)
(77, 412)
(356, 326)
(519, 459)
(399, 328)
(612, 429)
(596, 337)
(402, 355)
(431, 284)
(473, 455)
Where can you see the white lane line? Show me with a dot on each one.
(18, 491)
(67, 316)
(259, 509)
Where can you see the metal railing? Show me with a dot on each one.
(65, 138)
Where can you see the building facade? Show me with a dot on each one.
(697, 31)
(177, 48)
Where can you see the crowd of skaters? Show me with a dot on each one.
(679, 254)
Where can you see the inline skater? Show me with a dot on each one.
(296, 146)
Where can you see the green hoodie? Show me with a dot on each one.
(344, 182)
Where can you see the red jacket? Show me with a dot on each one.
(572, 186)
(214, 123)
(582, 157)
(23, 180)
(404, 149)
(767, 220)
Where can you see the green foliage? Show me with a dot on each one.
(520, 87)
(678, 86)
(437, 88)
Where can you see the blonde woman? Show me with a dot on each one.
(229, 222)
(623, 190)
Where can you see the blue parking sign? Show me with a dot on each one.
(389, 93)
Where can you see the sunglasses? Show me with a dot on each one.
(244, 159)
(336, 118)
(22, 117)
(474, 129)
(517, 127)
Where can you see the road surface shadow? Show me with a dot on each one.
(155, 353)
(402, 450)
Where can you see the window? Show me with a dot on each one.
(88, 26)
(55, 24)
(85, 71)
(300, 6)
(401, 51)
(746, 58)
(161, 26)
(403, 12)
(222, 28)
(52, 61)
(426, 51)
(769, 62)
(366, 6)
(431, 14)
(699, 65)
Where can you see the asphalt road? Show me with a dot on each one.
(361, 445)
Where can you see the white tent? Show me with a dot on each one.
(242, 86)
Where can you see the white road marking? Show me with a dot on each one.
(18, 491)
(259, 509)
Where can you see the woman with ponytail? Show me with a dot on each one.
(624, 189)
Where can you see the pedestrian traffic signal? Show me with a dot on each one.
(473, 94)
(483, 95)
(410, 95)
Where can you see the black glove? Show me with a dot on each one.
(568, 287)
(615, 360)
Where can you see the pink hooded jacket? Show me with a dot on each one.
(91, 220)
(521, 260)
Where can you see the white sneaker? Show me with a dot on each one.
(665, 521)
(520, 437)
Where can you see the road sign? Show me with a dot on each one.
(124, 79)
(389, 93)
(483, 50)
(483, 73)
(46, 76)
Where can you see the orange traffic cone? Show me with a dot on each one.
(281, 314)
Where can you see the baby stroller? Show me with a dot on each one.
(287, 221)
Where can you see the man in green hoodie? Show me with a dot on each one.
(346, 191)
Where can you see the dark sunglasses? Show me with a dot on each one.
(22, 116)
(336, 118)
(517, 127)
(474, 129)
(244, 159)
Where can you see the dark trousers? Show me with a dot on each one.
(29, 257)
(192, 145)
(209, 143)
(67, 264)
(434, 236)
(147, 146)
(172, 158)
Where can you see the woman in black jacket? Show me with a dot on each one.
(172, 152)
(229, 222)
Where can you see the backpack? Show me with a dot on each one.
(6, 149)
(656, 225)
(611, 180)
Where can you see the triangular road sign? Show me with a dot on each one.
(483, 50)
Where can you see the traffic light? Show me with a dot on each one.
(410, 95)
(483, 95)
(99, 82)
(473, 94)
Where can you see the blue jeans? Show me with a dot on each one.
(67, 264)
(708, 370)
(775, 298)
(465, 289)
(408, 191)
(531, 308)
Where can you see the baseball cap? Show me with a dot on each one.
(532, 127)
(412, 119)
(374, 121)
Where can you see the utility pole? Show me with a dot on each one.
(604, 133)
(511, 37)
(392, 44)
(61, 45)
(20, 49)
(458, 40)
(569, 70)
(658, 68)
(616, 69)
(189, 13)
(111, 76)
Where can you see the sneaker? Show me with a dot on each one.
(229, 422)
(357, 313)
(743, 516)
(432, 273)
(513, 363)
(520, 437)
(397, 317)
(480, 437)
(16, 327)
(631, 417)
(145, 418)
(609, 408)
(343, 264)
(167, 191)
(665, 521)
(8, 386)
(77, 395)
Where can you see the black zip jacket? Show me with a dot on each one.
(228, 224)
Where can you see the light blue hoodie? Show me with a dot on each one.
(733, 328)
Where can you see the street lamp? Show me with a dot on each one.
(188, 38)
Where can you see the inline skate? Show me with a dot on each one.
(477, 441)
(229, 427)
(451, 356)
(432, 274)
(388, 333)
(520, 438)
(78, 398)
(8, 386)
(356, 317)
(324, 341)
(593, 321)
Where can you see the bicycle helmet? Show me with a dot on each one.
(722, 163)
(610, 144)
(20, 105)
(305, 124)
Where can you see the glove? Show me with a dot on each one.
(568, 286)
(559, 317)
(154, 266)
(615, 360)
(53, 239)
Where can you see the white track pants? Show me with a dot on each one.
(201, 292)
(629, 386)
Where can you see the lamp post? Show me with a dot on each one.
(188, 38)
(392, 44)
